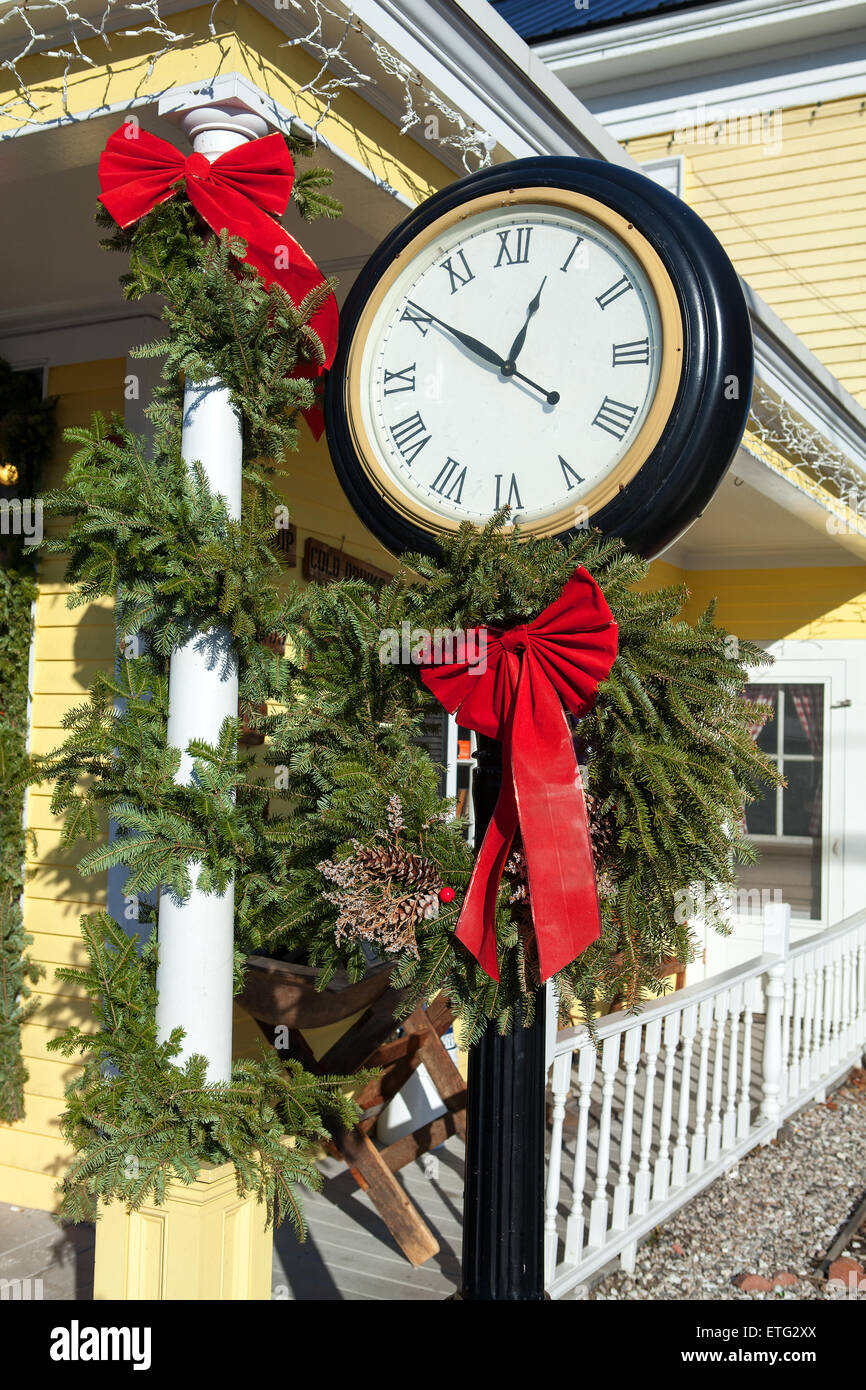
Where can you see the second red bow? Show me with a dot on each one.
(517, 694)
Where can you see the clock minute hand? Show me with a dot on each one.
(517, 346)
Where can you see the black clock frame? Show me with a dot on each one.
(706, 423)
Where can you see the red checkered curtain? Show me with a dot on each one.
(810, 713)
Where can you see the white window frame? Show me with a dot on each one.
(830, 674)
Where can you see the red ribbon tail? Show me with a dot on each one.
(553, 825)
(477, 926)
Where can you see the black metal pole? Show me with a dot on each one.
(503, 1203)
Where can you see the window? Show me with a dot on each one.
(786, 824)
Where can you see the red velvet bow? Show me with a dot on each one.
(531, 673)
(236, 193)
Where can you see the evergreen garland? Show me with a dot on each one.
(27, 430)
(142, 526)
(17, 971)
(667, 746)
(137, 1118)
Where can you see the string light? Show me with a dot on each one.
(328, 34)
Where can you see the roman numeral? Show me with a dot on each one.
(513, 493)
(406, 437)
(578, 242)
(615, 417)
(406, 378)
(454, 274)
(446, 479)
(568, 473)
(413, 313)
(515, 252)
(628, 354)
(622, 286)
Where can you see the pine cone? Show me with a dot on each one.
(602, 829)
(399, 866)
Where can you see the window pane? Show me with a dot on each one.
(786, 872)
(766, 734)
(801, 799)
(761, 815)
(804, 719)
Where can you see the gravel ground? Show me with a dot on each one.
(774, 1214)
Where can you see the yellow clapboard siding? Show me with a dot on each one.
(42, 1117)
(35, 1038)
(74, 644)
(50, 950)
(57, 882)
(52, 610)
(49, 987)
(38, 1153)
(23, 1188)
(49, 1078)
(792, 219)
(767, 605)
(65, 677)
(54, 917)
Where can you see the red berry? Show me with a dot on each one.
(446, 895)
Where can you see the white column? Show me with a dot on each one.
(196, 937)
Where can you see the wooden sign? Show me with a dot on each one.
(324, 562)
(287, 543)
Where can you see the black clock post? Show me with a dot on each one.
(503, 1204)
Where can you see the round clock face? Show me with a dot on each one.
(524, 356)
(520, 342)
(514, 362)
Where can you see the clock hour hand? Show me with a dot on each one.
(488, 355)
(507, 368)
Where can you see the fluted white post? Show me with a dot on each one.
(196, 936)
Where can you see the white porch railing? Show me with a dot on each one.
(677, 1094)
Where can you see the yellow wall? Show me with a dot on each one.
(244, 42)
(71, 645)
(766, 605)
(792, 219)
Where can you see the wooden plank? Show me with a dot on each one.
(411, 1146)
(414, 1237)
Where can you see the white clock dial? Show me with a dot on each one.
(513, 360)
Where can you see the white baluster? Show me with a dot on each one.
(699, 1137)
(599, 1208)
(653, 1037)
(574, 1229)
(680, 1166)
(744, 1110)
(795, 1070)
(714, 1128)
(729, 1126)
(787, 1011)
(662, 1169)
(622, 1194)
(848, 971)
(777, 928)
(807, 1063)
(860, 995)
(826, 992)
(774, 989)
(561, 1079)
(836, 1008)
